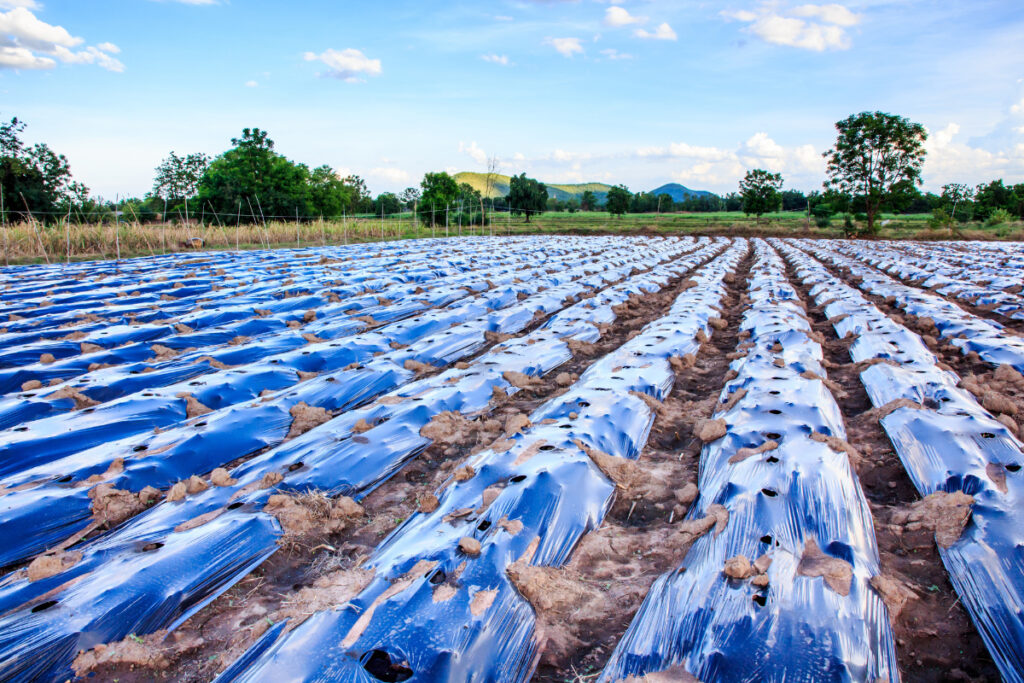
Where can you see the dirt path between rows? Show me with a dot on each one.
(642, 537)
(935, 638)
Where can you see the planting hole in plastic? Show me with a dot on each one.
(379, 665)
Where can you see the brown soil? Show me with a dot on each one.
(645, 533)
(935, 638)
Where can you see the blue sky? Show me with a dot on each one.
(638, 92)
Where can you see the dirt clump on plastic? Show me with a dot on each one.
(305, 417)
(944, 514)
(50, 564)
(154, 652)
(114, 506)
(312, 514)
(80, 399)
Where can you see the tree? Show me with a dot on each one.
(793, 200)
(251, 178)
(409, 197)
(759, 191)
(440, 191)
(177, 178)
(526, 195)
(387, 203)
(619, 199)
(956, 199)
(329, 196)
(875, 157)
(34, 179)
(588, 201)
(361, 201)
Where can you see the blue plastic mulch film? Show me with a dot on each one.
(530, 500)
(948, 443)
(781, 591)
(969, 332)
(166, 562)
(52, 501)
(984, 274)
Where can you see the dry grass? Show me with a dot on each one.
(33, 242)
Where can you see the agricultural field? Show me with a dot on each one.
(548, 457)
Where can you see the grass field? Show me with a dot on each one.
(36, 243)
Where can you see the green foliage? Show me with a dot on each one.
(760, 191)
(998, 217)
(253, 180)
(440, 191)
(619, 199)
(794, 200)
(940, 220)
(588, 201)
(34, 180)
(526, 195)
(875, 159)
(177, 178)
(329, 195)
(386, 203)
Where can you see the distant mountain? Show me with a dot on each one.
(679, 192)
(562, 192)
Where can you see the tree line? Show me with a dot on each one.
(874, 166)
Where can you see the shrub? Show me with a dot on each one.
(998, 217)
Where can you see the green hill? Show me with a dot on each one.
(499, 187)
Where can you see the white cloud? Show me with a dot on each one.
(90, 55)
(347, 65)
(474, 152)
(809, 27)
(566, 47)
(26, 30)
(251, 84)
(29, 43)
(662, 32)
(950, 161)
(503, 17)
(390, 174)
(615, 55)
(830, 14)
(12, 4)
(496, 59)
(22, 58)
(617, 16)
(1018, 108)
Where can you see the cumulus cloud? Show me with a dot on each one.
(474, 152)
(12, 4)
(251, 84)
(662, 32)
(809, 27)
(26, 42)
(566, 47)
(617, 16)
(496, 59)
(949, 160)
(347, 65)
(390, 174)
(22, 58)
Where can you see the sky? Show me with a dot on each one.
(634, 92)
